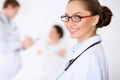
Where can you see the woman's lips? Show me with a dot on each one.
(73, 30)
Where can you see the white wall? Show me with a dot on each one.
(111, 38)
(37, 16)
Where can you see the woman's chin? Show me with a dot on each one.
(73, 36)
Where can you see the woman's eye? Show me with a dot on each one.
(64, 18)
(77, 17)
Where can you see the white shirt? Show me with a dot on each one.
(91, 65)
(9, 45)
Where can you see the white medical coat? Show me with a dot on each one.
(9, 46)
(91, 65)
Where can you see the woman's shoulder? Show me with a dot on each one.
(94, 56)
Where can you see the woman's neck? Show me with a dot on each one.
(79, 40)
(90, 33)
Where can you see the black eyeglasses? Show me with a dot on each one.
(74, 18)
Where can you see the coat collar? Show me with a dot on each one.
(79, 48)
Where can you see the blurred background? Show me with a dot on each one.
(36, 17)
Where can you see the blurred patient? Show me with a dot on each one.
(55, 35)
(44, 59)
(52, 54)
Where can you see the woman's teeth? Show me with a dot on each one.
(73, 30)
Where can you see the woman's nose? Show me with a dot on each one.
(70, 23)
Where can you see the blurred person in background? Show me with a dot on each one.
(10, 44)
(52, 54)
(44, 59)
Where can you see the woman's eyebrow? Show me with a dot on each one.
(74, 13)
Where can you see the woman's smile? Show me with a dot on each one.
(73, 30)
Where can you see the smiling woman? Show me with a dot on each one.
(82, 18)
(96, 15)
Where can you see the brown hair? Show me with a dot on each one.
(14, 3)
(96, 9)
(59, 30)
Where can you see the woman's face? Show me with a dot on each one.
(83, 28)
(54, 34)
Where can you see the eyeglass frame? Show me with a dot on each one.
(70, 17)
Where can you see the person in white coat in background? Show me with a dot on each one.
(82, 19)
(9, 41)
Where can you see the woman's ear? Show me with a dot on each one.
(95, 20)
